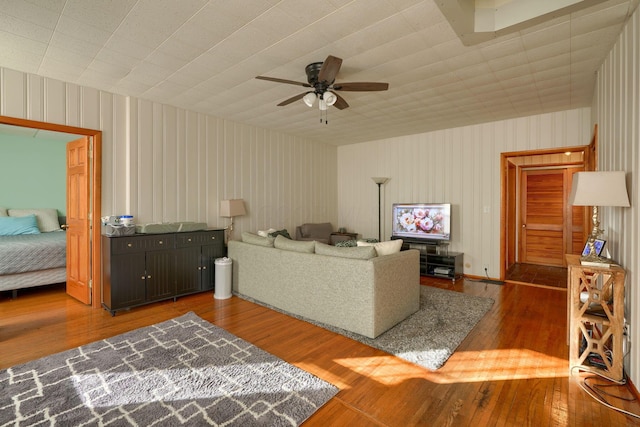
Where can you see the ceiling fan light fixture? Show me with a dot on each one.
(329, 98)
(309, 99)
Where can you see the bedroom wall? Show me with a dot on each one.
(616, 109)
(460, 166)
(162, 163)
(33, 173)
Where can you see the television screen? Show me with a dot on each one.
(422, 221)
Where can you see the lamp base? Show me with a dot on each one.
(594, 260)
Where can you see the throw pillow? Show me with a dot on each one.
(283, 243)
(265, 233)
(348, 252)
(346, 243)
(254, 239)
(3, 212)
(388, 247)
(12, 226)
(47, 218)
(283, 233)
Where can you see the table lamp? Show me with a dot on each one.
(598, 189)
(230, 209)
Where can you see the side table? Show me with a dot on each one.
(596, 318)
(341, 237)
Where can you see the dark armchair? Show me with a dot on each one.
(318, 232)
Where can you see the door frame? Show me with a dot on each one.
(96, 193)
(511, 164)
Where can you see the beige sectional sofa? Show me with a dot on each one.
(349, 288)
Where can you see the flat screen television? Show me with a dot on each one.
(424, 221)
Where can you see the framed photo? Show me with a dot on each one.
(598, 246)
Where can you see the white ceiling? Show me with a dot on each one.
(203, 55)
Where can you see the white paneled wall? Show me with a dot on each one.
(459, 166)
(162, 163)
(617, 112)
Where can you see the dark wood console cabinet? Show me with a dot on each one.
(143, 268)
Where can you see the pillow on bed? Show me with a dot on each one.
(11, 226)
(3, 212)
(47, 218)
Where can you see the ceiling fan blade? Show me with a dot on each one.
(361, 86)
(340, 104)
(329, 69)
(291, 82)
(292, 99)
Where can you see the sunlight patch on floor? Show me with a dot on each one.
(463, 367)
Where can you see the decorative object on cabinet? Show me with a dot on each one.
(596, 318)
(230, 209)
(598, 189)
(140, 269)
(380, 181)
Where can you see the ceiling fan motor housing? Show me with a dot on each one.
(312, 71)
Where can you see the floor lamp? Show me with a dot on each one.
(379, 180)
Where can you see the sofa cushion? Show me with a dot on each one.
(384, 248)
(364, 252)
(283, 243)
(254, 239)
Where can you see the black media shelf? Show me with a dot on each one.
(435, 258)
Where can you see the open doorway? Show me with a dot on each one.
(538, 225)
(89, 263)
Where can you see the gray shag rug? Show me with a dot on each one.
(184, 371)
(430, 336)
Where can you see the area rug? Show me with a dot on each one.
(184, 371)
(430, 336)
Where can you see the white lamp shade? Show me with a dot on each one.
(309, 99)
(232, 207)
(380, 179)
(330, 98)
(599, 189)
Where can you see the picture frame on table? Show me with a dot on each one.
(598, 246)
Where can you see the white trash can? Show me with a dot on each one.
(223, 278)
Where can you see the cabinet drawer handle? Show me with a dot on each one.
(213, 237)
(189, 239)
(149, 277)
(142, 277)
(129, 245)
(199, 268)
(204, 268)
(160, 242)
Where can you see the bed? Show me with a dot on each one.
(32, 249)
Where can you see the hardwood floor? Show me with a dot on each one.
(539, 275)
(512, 369)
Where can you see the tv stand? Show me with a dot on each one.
(435, 258)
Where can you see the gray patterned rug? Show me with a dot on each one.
(184, 371)
(430, 336)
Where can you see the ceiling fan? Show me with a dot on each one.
(321, 79)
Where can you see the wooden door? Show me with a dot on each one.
(78, 219)
(542, 237)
